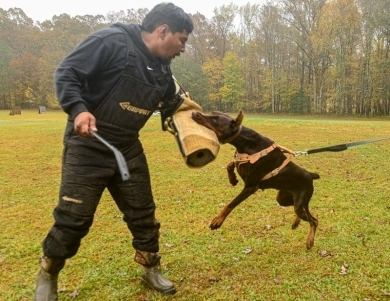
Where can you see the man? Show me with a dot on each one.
(112, 82)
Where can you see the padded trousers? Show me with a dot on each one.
(87, 170)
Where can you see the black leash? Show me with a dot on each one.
(337, 148)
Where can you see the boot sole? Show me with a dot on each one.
(169, 291)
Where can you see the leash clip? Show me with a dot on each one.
(300, 153)
(168, 125)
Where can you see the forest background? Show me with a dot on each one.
(285, 56)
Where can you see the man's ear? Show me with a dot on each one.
(163, 30)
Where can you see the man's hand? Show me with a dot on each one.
(83, 122)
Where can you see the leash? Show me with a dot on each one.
(245, 158)
(338, 147)
(120, 160)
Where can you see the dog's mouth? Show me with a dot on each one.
(198, 118)
(202, 120)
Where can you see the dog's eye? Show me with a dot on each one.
(214, 119)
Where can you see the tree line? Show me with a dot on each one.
(285, 56)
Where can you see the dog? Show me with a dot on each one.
(262, 164)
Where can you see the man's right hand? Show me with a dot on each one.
(83, 122)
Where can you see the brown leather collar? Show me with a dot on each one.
(230, 139)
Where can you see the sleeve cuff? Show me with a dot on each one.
(77, 109)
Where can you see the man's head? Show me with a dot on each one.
(165, 30)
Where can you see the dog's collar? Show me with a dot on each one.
(230, 139)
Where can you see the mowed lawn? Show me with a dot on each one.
(254, 256)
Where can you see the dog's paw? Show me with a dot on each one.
(309, 244)
(233, 182)
(214, 227)
(215, 224)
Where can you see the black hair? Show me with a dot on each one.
(170, 14)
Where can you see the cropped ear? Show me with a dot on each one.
(239, 118)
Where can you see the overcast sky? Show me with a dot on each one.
(41, 10)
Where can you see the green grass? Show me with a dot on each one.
(254, 256)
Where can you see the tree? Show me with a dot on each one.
(201, 40)
(303, 18)
(193, 80)
(222, 26)
(337, 38)
(336, 53)
(375, 44)
(273, 39)
(252, 53)
(131, 16)
(213, 69)
(232, 92)
(26, 81)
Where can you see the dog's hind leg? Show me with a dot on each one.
(285, 198)
(220, 218)
(296, 222)
(301, 208)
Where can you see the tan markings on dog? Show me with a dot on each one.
(128, 107)
(72, 200)
(295, 185)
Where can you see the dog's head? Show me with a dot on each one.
(220, 123)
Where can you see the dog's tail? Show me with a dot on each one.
(314, 175)
(232, 176)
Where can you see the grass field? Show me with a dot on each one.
(254, 256)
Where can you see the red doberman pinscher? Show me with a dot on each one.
(262, 164)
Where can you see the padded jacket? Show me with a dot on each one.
(88, 74)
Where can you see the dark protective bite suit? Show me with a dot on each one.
(89, 167)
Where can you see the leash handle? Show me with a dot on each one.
(120, 160)
(334, 148)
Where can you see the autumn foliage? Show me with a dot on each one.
(258, 57)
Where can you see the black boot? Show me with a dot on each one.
(152, 275)
(46, 289)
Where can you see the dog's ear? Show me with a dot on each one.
(239, 118)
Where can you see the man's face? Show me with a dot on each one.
(172, 45)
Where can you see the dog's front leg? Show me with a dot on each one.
(220, 218)
(232, 176)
